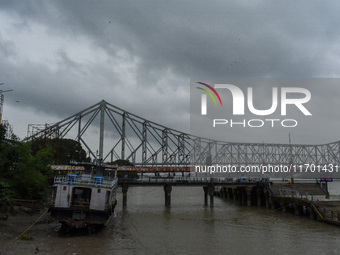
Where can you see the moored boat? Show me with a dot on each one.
(81, 199)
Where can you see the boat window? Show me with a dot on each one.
(99, 190)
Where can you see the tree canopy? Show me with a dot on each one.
(25, 170)
(65, 150)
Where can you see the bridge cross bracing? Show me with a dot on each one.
(143, 142)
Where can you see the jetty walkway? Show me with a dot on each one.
(310, 199)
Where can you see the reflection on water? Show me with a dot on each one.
(188, 227)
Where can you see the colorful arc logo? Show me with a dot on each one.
(204, 97)
(209, 93)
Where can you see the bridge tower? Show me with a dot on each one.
(101, 132)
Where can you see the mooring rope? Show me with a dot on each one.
(30, 226)
(12, 242)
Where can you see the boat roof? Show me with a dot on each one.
(67, 168)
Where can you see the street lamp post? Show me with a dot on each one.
(2, 97)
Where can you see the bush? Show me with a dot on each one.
(6, 193)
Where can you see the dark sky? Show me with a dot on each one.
(60, 57)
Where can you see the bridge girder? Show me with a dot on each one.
(143, 142)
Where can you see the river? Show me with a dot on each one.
(188, 227)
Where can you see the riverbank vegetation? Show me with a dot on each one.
(25, 171)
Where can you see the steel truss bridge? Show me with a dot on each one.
(146, 143)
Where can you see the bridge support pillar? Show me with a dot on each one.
(209, 190)
(125, 190)
(211, 194)
(167, 192)
(205, 188)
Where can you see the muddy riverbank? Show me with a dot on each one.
(16, 224)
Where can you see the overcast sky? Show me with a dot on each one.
(60, 57)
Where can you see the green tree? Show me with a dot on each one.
(8, 155)
(23, 173)
(6, 192)
(3, 131)
(65, 150)
(25, 170)
(33, 175)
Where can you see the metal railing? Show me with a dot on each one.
(279, 192)
(177, 179)
(79, 180)
(323, 212)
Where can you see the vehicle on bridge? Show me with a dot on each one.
(81, 199)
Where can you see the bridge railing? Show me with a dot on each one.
(184, 180)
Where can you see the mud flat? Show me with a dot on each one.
(37, 236)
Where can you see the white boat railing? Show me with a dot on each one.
(73, 179)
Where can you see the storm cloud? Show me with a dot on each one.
(60, 57)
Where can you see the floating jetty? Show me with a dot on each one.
(304, 199)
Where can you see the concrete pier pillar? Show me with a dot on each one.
(231, 193)
(258, 193)
(248, 195)
(327, 193)
(211, 194)
(125, 190)
(296, 210)
(272, 204)
(235, 194)
(283, 207)
(266, 198)
(312, 214)
(240, 196)
(167, 193)
(226, 193)
(205, 188)
(222, 192)
(244, 196)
